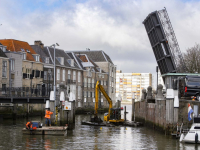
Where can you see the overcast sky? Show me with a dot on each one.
(114, 26)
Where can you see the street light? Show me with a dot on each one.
(49, 75)
(54, 86)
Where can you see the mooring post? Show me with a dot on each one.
(133, 107)
(124, 113)
(67, 117)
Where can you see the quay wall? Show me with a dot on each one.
(162, 114)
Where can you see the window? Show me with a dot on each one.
(88, 94)
(28, 72)
(4, 69)
(45, 75)
(3, 48)
(47, 60)
(61, 60)
(79, 76)
(37, 57)
(24, 56)
(79, 92)
(85, 82)
(92, 94)
(12, 64)
(71, 62)
(89, 82)
(74, 91)
(74, 75)
(57, 85)
(69, 74)
(85, 93)
(3, 88)
(63, 77)
(58, 74)
(92, 83)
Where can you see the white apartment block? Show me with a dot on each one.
(129, 83)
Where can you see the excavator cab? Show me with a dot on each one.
(115, 114)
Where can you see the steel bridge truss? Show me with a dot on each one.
(172, 41)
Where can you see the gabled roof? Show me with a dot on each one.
(78, 61)
(85, 59)
(19, 46)
(96, 56)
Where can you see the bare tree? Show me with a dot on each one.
(192, 59)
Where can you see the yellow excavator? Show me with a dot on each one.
(114, 114)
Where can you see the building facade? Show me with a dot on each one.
(129, 83)
(103, 61)
(91, 74)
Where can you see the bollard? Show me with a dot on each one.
(124, 113)
(133, 109)
(159, 95)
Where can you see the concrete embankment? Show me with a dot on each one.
(162, 115)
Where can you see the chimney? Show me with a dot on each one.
(39, 43)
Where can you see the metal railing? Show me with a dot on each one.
(25, 92)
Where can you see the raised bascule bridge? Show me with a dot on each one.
(166, 111)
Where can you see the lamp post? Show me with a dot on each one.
(49, 75)
(54, 84)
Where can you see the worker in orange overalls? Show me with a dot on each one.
(48, 117)
(29, 125)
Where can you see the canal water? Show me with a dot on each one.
(88, 137)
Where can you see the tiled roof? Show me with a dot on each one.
(83, 58)
(96, 56)
(17, 46)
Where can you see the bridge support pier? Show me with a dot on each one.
(52, 108)
(68, 116)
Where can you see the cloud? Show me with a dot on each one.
(113, 26)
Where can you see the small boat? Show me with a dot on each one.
(193, 135)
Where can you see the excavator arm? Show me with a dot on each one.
(101, 89)
(116, 115)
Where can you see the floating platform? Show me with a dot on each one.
(53, 130)
(93, 123)
(111, 124)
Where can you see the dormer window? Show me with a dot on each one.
(71, 62)
(3, 48)
(61, 60)
(28, 51)
(36, 57)
(47, 60)
(24, 56)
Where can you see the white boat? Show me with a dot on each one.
(193, 135)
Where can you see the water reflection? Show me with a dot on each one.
(88, 137)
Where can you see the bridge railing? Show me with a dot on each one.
(24, 92)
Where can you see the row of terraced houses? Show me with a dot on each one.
(31, 68)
